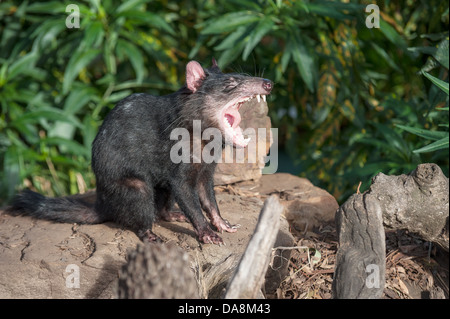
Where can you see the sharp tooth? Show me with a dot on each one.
(264, 98)
(258, 97)
(227, 123)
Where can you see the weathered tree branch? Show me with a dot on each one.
(362, 250)
(249, 275)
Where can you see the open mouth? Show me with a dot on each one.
(232, 118)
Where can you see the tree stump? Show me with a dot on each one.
(417, 202)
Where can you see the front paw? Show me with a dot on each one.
(210, 237)
(224, 225)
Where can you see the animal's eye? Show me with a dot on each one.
(230, 84)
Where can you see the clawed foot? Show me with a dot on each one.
(147, 236)
(173, 216)
(224, 225)
(210, 237)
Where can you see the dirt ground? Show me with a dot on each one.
(415, 269)
(34, 254)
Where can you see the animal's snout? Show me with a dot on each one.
(267, 85)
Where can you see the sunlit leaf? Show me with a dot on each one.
(435, 146)
(439, 83)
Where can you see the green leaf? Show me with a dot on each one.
(117, 96)
(396, 143)
(438, 82)
(435, 146)
(231, 54)
(304, 61)
(264, 26)
(22, 65)
(93, 36)
(47, 114)
(385, 56)
(62, 129)
(148, 18)
(234, 38)
(331, 9)
(130, 4)
(431, 135)
(286, 57)
(135, 57)
(71, 146)
(50, 7)
(90, 130)
(78, 98)
(77, 62)
(392, 35)
(11, 168)
(229, 22)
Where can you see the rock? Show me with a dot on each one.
(42, 259)
(307, 206)
(254, 117)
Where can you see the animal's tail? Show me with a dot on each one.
(62, 209)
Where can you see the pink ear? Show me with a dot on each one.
(194, 75)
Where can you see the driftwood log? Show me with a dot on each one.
(417, 202)
(248, 278)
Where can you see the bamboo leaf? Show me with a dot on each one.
(392, 35)
(438, 82)
(130, 4)
(229, 22)
(22, 65)
(50, 7)
(47, 114)
(71, 146)
(435, 146)
(135, 57)
(431, 135)
(258, 33)
(148, 18)
(305, 62)
(77, 62)
(234, 38)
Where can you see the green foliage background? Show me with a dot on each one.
(349, 101)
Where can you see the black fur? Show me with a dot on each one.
(136, 179)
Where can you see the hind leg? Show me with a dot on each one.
(130, 203)
(164, 206)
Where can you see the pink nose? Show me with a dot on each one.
(267, 85)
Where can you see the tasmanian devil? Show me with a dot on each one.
(137, 180)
